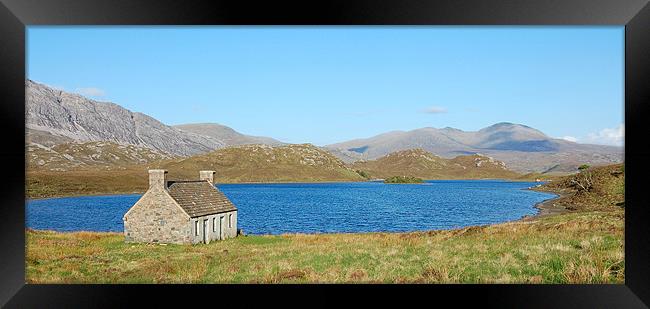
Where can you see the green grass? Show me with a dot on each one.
(582, 247)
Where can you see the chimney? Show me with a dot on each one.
(207, 175)
(158, 178)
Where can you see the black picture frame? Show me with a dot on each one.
(635, 15)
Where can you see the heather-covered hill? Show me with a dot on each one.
(423, 164)
(247, 163)
(263, 163)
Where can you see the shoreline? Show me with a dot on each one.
(81, 195)
(547, 207)
(27, 198)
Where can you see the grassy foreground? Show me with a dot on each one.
(583, 247)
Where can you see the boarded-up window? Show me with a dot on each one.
(230, 220)
(214, 224)
(196, 228)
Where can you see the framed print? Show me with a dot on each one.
(450, 148)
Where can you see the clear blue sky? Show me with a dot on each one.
(329, 84)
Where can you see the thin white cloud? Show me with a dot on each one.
(435, 110)
(607, 136)
(570, 139)
(91, 91)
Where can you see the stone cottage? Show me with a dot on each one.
(180, 212)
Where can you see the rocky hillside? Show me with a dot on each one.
(423, 164)
(522, 148)
(55, 117)
(226, 134)
(263, 163)
(73, 117)
(76, 156)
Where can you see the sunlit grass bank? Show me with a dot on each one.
(584, 247)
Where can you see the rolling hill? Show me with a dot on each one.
(263, 163)
(423, 164)
(233, 164)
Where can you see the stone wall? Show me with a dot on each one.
(157, 218)
(218, 228)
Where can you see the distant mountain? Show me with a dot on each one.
(521, 148)
(423, 164)
(54, 117)
(226, 134)
(73, 117)
(263, 163)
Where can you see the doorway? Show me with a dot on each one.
(206, 238)
(221, 223)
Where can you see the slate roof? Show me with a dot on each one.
(199, 198)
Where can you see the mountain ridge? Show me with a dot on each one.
(227, 134)
(54, 116)
(523, 148)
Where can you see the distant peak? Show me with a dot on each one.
(506, 125)
(450, 129)
(503, 124)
